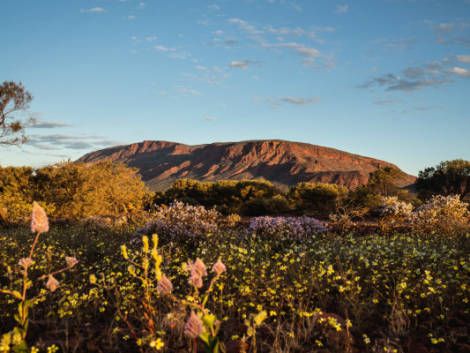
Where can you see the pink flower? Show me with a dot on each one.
(219, 268)
(193, 327)
(39, 221)
(199, 266)
(52, 284)
(71, 261)
(164, 286)
(25, 262)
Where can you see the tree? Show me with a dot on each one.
(383, 180)
(13, 99)
(447, 178)
(319, 198)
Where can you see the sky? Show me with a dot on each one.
(388, 79)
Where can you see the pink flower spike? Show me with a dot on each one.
(39, 220)
(164, 286)
(219, 268)
(193, 327)
(52, 284)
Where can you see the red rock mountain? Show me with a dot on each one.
(283, 163)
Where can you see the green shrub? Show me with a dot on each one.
(317, 198)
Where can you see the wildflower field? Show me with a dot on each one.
(207, 285)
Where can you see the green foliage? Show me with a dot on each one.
(73, 190)
(447, 178)
(317, 198)
(382, 181)
(248, 197)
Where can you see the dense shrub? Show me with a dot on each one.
(288, 227)
(73, 190)
(442, 215)
(317, 198)
(183, 222)
(392, 207)
(228, 196)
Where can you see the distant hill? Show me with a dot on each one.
(283, 163)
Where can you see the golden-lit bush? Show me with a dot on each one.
(442, 215)
(73, 190)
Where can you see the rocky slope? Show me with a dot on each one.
(282, 162)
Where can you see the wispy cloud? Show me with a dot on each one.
(239, 64)
(414, 77)
(73, 142)
(245, 26)
(210, 118)
(342, 8)
(395, 44)
(387, 101)
(456, 32)
(47, 125)
(280, 101)
(459, 71)
(163, 48)
(95, 10)
(188, 91)
(244, 64)
(463, 58)
(397, 83)
(312, 57)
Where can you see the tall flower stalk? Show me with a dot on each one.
(16, 339)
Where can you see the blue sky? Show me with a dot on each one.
(389, 79)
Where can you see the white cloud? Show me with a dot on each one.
(459, 71)
(243, 25)
(239, 64)
(309, 52)
(342, 8)
(214, 7)
(464, 58)
(163, 48)
(188, 91)
(131, 17)
(442, 28)
(209, 118)
(142, 5)
(96, 10)
(151, 38)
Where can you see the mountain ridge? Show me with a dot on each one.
(282, 162)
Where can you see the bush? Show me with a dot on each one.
(317, 198)
(393, 208)
(73, 191)
(180, 221)
(442, 214)
(228, 196)
(289, 227)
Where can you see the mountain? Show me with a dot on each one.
(284, 163)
